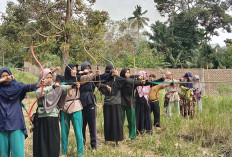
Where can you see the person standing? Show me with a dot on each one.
(154, 97)
(128, 100)
(89, 111)
(46, 134)
(12, 125)
(172, 94)
(72, 110)
(142, 108)
(198, 91)
(112, 111)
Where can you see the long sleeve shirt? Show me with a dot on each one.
(11, 114)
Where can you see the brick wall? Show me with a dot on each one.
(210, 75)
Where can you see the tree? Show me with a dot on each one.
(228, 42)
(122, 47)
(189, 28)
(210, 14)
(53, 25)
(138, 20)
(176, 40)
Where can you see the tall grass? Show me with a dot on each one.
(208, 134)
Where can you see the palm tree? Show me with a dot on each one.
(138, 20)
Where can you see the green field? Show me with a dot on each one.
(208, 134)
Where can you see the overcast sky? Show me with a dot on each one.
(120, 9)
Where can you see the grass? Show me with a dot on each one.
(26, 78)
(208, 134)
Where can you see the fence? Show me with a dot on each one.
(206, 75)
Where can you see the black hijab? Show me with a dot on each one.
(123, 72)
(67, 74)
(108, 68)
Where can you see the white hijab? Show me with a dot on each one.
(197, 85)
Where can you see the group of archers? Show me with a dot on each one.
(70, 98)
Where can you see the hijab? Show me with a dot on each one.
(107, 75)
(84, 65)
(123, 72)
(54, 98)
(108, 68)
(11, 90)
(197, 85)
(67, 74)
(186, 76)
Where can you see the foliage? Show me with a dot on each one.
(176, 40)
(138, 21)
(188, 29)
(52, 25)
(210, 14)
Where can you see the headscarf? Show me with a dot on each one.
(186, 76)
(67, 74)
(144, 74)
(84, 65)
(197, 85)
(13, 89)
(46, 72)
(107, 75)
(123, 72)
(108, 68)
(54, 98)
(143, 90)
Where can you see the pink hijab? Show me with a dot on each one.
(143, 90)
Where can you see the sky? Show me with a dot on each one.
(120, 9)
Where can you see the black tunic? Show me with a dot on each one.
(47, 145)
(143, 115)
(127, 92)
(113, 125)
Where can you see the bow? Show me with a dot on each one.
(42, 87)
(96, 63)
(91, 57)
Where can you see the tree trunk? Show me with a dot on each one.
(68, 11)
(65, 55)
(66, 46)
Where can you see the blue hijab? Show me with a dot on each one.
(84, 65)
(13, 89)
(186, 76)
